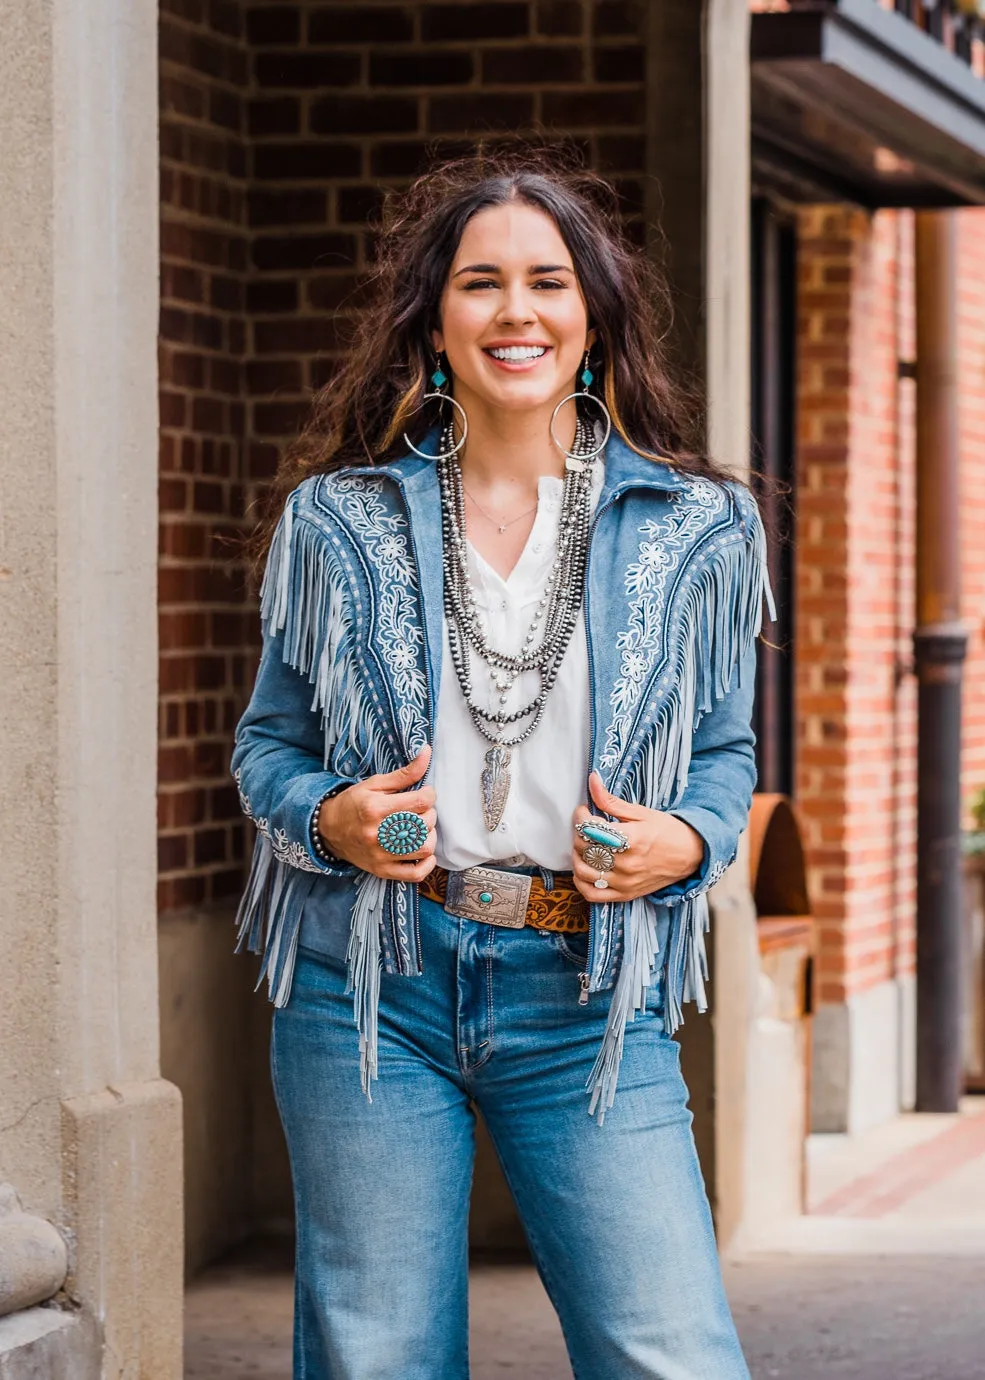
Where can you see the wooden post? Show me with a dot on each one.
(939, 646)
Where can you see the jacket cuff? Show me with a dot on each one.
(713, 865)
(319, 850)
(289, 829)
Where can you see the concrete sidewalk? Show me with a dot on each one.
(884, 1280)
(914, 1186)
(800, 1318)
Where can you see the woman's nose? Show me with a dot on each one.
(517, 307)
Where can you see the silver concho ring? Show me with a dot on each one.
(600, 857)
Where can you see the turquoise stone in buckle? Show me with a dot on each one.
(595, 831)
(489, 895)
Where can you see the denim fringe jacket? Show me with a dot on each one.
(352, 610)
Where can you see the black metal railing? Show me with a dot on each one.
(955, 23)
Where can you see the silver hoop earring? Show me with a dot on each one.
(439, 379)
(573, 460)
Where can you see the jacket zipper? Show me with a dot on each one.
(585, 977)
(427, 684)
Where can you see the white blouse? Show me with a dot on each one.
(549, 769)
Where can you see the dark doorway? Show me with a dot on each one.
(773, 348)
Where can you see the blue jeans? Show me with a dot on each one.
(616, 1216)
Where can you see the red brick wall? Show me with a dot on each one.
(971, 375)
(856, 695)
(826, 268)
(281, 125)
(205, 640)
(352, 99)
(855, 698)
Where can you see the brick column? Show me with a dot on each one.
(855, 701)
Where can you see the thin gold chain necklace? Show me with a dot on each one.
(502, 526)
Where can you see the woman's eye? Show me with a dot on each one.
(481, 284)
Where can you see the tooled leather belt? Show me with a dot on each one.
(509, 899)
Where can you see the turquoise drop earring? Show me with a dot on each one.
(573, 460)
(437, 393)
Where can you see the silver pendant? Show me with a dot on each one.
(495, 784)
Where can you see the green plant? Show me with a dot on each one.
(978, 808)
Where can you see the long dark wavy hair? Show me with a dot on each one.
(360, 416)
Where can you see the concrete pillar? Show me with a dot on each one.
(698, 165)
(91, 1136)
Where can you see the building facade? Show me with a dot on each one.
(202, 179)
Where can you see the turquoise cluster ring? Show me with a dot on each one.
(401, 833)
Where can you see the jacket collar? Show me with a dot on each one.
(625, 469)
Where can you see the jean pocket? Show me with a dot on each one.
(573, 947)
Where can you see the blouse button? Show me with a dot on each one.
(504, 605)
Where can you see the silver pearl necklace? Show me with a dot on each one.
(551, 629)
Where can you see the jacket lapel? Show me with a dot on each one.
(423, 500)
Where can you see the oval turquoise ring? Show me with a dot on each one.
(402, 832)
(597, 831)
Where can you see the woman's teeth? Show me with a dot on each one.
(517, 353)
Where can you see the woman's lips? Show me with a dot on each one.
(517, 366)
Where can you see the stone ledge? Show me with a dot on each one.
(48, 1344)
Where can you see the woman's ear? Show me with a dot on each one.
(438, 341)
(591, 338)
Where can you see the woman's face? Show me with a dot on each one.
(514, 325)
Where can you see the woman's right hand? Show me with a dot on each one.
(349, 820)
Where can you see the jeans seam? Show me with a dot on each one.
(299, 1346)
(487, 1055)
(490, 955)
(539, 1254)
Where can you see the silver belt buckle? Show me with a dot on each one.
(484, 893)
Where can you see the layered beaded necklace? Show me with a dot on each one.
(551, 628)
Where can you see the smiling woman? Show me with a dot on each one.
(360, 417)
(514, 331)
(497, 752)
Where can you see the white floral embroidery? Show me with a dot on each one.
(244, 799)
(285, 851)
(398, 634)
(401, 656)
(392, 548)
(294, 854)
(665, 541)
(715, 874)
(399, 628)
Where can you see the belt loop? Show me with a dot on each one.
(547, 877)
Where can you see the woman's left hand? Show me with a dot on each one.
(662, 849)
